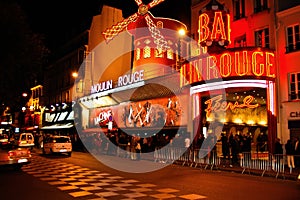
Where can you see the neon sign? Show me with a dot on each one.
(255, 63)
(123, 80)
(103, 116)
(215, 31)
(217, 104)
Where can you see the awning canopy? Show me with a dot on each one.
(150, 89)
(58, 126)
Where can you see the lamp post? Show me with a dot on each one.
(181, 34)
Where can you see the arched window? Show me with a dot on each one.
(170, 54)
(159, 53)
(138, 53)
(147, 52)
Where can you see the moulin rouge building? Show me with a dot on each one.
(207, 86)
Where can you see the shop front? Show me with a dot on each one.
(233, 93)
(291, 122)
(155, 111)
(232, 89)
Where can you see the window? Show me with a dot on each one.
(138, 53)
(240, 41)
(293, 38)
(238, 9)
(170, 54)
(260, 5)
(147, 52)
(262, 38)
(294, 90)
(158, 53)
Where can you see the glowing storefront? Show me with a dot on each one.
(232, 89)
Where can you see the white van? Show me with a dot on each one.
(24, 140)
(57, 144)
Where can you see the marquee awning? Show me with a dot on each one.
(58, 126)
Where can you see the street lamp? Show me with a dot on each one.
(181, 34)
(74, 74)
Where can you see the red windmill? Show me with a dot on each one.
(143, 13)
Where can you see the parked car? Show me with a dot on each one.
(24, 140)
(15, 157)
(57, 144)
(4, 140)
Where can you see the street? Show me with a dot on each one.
(83, 177)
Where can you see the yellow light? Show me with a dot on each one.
(238, 121)
(223, 120)
(75, 74)
(181, 32)
(250, 122)
(262, 122)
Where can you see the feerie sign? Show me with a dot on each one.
(123, 80)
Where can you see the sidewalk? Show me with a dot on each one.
(235, 168)
(294, 175)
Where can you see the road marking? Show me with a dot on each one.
(80, 182)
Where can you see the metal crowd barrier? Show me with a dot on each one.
(170, 154)
(263, 161)
(206, 158)
(192, 158)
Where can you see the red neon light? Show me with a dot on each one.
(229, 64)
(203, 27)
(216, 31)
(225, 63)
(218, 27)
(241, 68)
(216, 104)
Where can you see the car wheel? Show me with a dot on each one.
(44, 152)
(69, 154)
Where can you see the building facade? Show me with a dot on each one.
(288, 52)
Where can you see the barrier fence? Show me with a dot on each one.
(259, 162)
(255, 162)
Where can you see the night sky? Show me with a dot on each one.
(61, 19)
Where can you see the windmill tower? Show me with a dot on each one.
(156, 40)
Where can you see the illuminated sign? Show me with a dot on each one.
(217, 104)
(256, 63)
(131, 78)
(124, 80)
(295, 114)
(103, 86)
(103, 116)
(214, 28)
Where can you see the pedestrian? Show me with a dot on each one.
(278, 147)
(297, 152)
(290, 151)
(235, 149)
(225, 149)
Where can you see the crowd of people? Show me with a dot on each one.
(231, 145)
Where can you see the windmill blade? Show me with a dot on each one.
(138, 2)
(154, 3)
(110, 33)
(159, 40)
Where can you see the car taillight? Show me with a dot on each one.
(11, 153)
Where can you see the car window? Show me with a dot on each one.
(29, 137)
(62, 140)
(23, 137)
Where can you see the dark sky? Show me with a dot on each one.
(60, 19)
